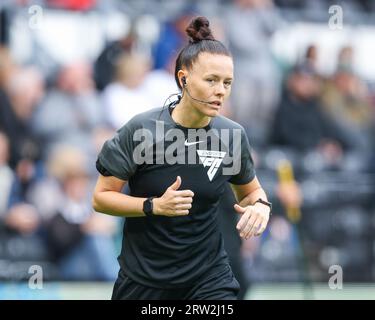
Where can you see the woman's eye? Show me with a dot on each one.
(228, 84)
(210, 80)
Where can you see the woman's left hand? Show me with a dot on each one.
(253, 221)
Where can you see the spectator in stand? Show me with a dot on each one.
(122, 99)
(346, 101)
(18, 101)
(71, 110)
(160, 83)
(300, 122)
(79, 240)
(105, 65)
(310, 60)
(20, 222)
(172, 38)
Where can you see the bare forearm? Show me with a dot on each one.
(118, 204)
(108, 199)
(252, 197)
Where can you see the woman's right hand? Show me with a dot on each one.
(173, 202)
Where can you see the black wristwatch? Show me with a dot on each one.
(269, 204)
(148, 207)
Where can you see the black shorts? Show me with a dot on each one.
(219, 286)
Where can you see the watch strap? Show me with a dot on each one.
(269, 204)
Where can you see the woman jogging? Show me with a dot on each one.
(177, 162)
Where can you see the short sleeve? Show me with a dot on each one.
(116, 156)
(247, 170)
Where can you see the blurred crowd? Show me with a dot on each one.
(51, 129)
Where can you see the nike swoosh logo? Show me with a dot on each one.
(191, 143)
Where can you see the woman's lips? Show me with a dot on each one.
(216, 104)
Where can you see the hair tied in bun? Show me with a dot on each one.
(199, 30)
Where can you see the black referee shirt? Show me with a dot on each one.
(170, 252)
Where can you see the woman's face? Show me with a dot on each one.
(210, 80)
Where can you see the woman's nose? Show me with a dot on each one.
(220, 90)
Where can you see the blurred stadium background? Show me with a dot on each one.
(73, 71)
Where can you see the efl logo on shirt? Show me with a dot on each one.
(213, 159)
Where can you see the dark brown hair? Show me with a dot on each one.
(200, 40)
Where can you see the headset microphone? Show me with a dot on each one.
(183, 79)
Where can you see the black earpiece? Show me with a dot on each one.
(183, 79)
